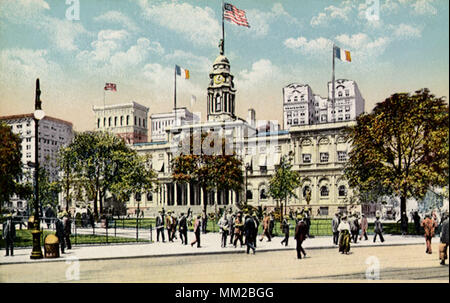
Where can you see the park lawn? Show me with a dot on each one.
(24, 238)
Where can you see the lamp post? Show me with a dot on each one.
(38, 115)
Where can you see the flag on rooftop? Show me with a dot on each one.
(110, 86)
(235, 15)
(184, 73)
(343, 55)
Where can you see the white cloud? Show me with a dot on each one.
(424, 7)
(63, 33)
(191, 61)
(197, 24)
(311, 47)
(362, 46)
(333, 13)
(119, 18)
(262, 72)
(22, 11)
(405, 31)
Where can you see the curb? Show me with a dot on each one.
(44, 260)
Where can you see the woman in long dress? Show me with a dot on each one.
(344, 236)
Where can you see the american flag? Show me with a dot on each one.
(235, 15)
(110, 86)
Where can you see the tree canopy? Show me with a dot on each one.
(402, 146)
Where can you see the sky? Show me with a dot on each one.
(75, 47)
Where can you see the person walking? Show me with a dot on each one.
(230, 218)
(378, 229)
(183, 229)
(344, 235)
(364, 226)
(334, 227)
(60, 232)
(354, 227)
(403, 223)
(443, 246)
(285, 228)
(271, 224)
(204, 221)
(416, 219)
(174, 226)
(429, 226)
(307, 219)
(301, 231)
(250, 228)
(255, 231)
(160, 226)
(197, 230)
(9, 234)
(224, 229)
(266, 226)
(67, 229)
(169, 220)
(238, 229)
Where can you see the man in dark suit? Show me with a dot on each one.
(160, 226)
(183, 229)
(60, 232)
(9, 234)
(250, 231)
(301, 230)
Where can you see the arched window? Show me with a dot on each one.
(121, 120)
(262, 194)
(104, 122)
(342, 191)
(324, 191)
(98, 123)
(128, 120)
(115, 121)
(149, 196)
(135, 120)
(218, 103)
(249, 194)
(305, 190)
(109, 121)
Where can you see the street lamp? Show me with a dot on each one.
(38, 115)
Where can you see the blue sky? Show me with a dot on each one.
(137, 43)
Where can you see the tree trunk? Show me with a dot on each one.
(95, 204)
(205, 195)
(402, 208)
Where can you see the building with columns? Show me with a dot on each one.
(161, 121)
(320, 149)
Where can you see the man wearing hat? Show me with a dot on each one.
(250, 230)
(9, 234)
(174, 226)
(429, 226)
(183, 229)
(378, 228)
(443, 246)
(334, 227)
(255, 231)
(301, 231)
(197, 229)
(224, 229)
(169, 220)
(67, 229)
(60, 232)
(285, 227)
(238, 229)
(160, 226)
(231, 217)
(266, 226)
(364, 226)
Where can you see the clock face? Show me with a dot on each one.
(218, 79)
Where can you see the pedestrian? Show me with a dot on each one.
(334, 227)
(307, 219)
(378, 229)
(416, 219)
(230, 218)
(364, 225)
(250, 228)
(266, 226)
(9, 234)
(271, 224)
(160, 226)
(301, 231)
(224, 229)
(255, 231)
(169, 226)
(403, 223)
(285, 228)
(67, 229)
(443, 246)
(238, 229)
(204, 221)
(354, 227)
(344, 235)
(183, 229)
(174, 226)
(429, 226)
(197, 230)
(60, 232)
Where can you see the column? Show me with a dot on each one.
(188, 200)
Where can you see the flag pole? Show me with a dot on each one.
(175, 94)
(332, 87)
(104, 107)
(223, 30)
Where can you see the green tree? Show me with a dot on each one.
(67, 163)
(48, 190)
(282, 185)
(402, 146)
(10, 164)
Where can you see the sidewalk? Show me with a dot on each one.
(210, 244)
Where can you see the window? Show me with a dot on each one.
(109, 121)
(340, 94)
(342, 191)
(305, 191)
(98, 123)
(121, 120)
(262, 194)
(135, 120)
(347, 108)
(29, 139)
(149, 196)
(128, 120)
(340, 118)
(323, 211)
(289, 121)
(347, 117)
(295, 121)
(139, 121)
(249, 194)
(306, 158)
(324, 191)
(347, 92)
(324, 157)
(342, 156)
(289, 114)
(104, 121)
(115, 121)
(323, 118)
(263, 169)
(20, 204)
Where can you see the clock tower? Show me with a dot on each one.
(221, 91)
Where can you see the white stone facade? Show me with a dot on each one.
(161, 121)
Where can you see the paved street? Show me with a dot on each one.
(406, 263)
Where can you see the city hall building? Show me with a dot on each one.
(313, 133)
